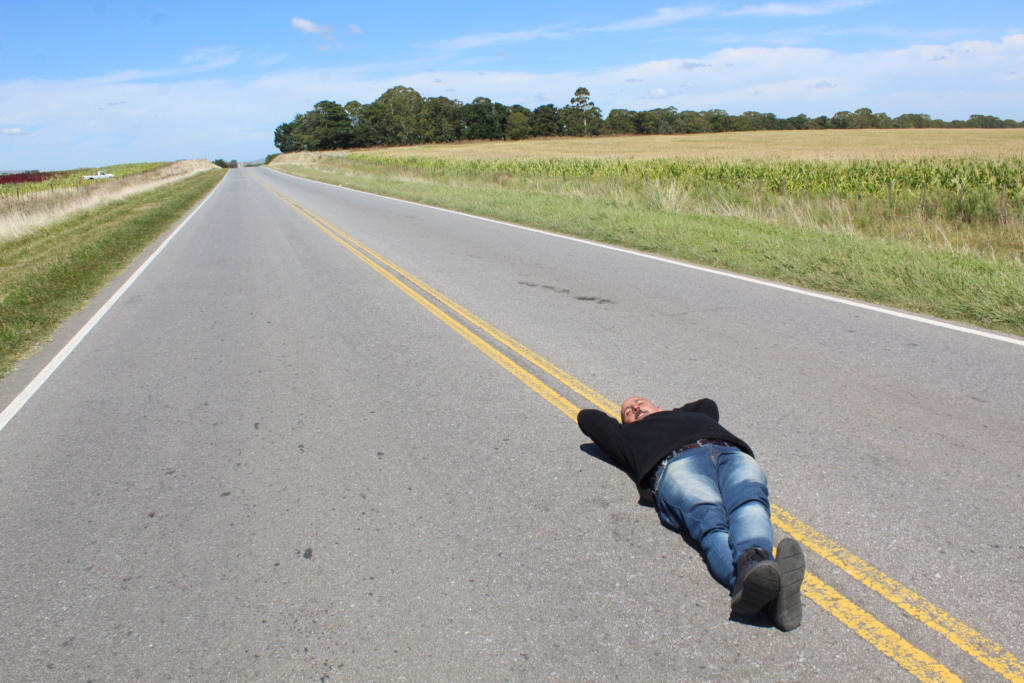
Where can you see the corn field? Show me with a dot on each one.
(850, 179)
(966, 204)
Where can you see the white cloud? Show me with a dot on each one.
(197, 61)
(661, 17)
(325, 31)
(792, 9)
(307, 26)
(975, 77)
(209, 58)
(75, 123)
(485, 39)
(671, 15)
(271, 60)
(665, 15)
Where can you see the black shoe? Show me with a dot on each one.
(757, 582)
(787, 610)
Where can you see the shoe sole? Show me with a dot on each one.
(760, 587)
(788, 610)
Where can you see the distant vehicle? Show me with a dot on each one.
(99, 176)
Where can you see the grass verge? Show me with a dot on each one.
(25, 207)
(53, 272)
(966, 288)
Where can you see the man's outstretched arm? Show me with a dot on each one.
(604, 431)
(704, 405)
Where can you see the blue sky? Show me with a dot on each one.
(95, 82)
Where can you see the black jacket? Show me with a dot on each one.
(639, 447)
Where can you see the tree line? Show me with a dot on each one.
(401, 116)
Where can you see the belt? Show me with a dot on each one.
(695, 444)
(699, 443)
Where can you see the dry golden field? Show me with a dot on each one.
(788, 145)
(956, 189)
(23, 213)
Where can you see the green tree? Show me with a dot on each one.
(913, 121)
(984, 121)
(500, 114)
(620, 122)
(521, 109)
(444, 121)
(661, 121)
(841, 120)
(882, 120)
(397, 117)
(862, 118)
(718, 120)
(755, 120)
(545, 121)
(326, 126)
(484, 120)
(738, 123)
(284, 138)
(401, 116)
(361, 133)
(800, 122)
(581, 116)
(692, 122)
(518, 125)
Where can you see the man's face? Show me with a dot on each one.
(637, 408)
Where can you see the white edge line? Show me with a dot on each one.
(21, 399)
(745, 278)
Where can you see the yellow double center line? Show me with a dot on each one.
(887, 641)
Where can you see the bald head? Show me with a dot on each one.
(636, 408)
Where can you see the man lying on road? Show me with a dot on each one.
(704, 479)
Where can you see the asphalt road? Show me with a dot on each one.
(267, 461)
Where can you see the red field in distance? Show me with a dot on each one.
(12, 178)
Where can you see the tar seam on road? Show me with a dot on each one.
(887, 641)
(705, 269)
(21, 399)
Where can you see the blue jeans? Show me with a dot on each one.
(719, 494)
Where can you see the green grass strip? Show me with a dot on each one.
(952, 286)
(53, 272)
